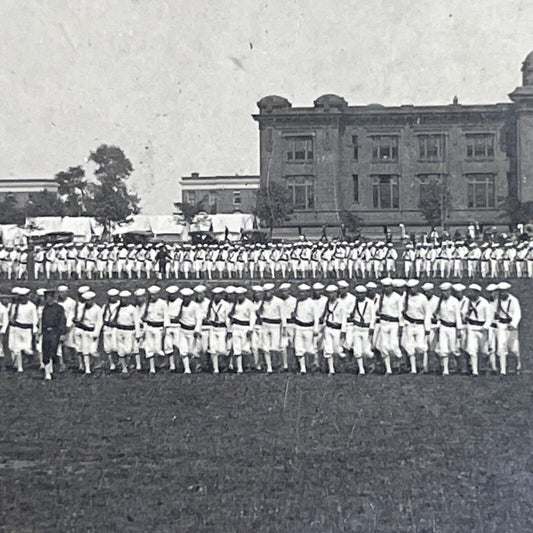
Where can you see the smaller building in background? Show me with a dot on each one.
(21, 189)
(220, 194)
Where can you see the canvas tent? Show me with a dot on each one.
(160, 227)
(82, 228)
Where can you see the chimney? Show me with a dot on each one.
(195, 175)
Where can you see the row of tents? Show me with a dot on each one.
(168, 228)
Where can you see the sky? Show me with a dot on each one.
(174, 82)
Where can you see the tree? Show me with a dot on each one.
(44, 204)
(73, 191)
(431, 204)
(10, 212)
(189, 211)
(111, 201)
(272, 204)
(351, 222)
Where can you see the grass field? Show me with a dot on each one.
(280, 453)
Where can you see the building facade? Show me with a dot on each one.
(220, 194)
(21, 189)
(380, 162)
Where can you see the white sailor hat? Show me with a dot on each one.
(343, 284)
(304, 287)
(154, 289)
(285, 286)
(360, 289)
(445, 286)
(140, 292)
(504, 286)
(474, 287)
(318, 286)
(88, 295)
(458, 287)
(230, 289)
(83, 288)
(113, 292)
(24, 291)
(172, 289)
(491, 287)
(398, 283)
(241, 290)
(428, 286)
(412, 283)
(40, 291)
(124, 294)
(257, 288)
(268, 286)
(386, 282)
(186, 291)
(218, 290)
(371, 285)
(200, 288)
(332, 288)
(62, 288)
(15, 290)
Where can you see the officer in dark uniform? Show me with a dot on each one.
(53, 325)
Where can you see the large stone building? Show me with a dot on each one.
(379, 162)
(220, 194)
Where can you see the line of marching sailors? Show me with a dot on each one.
(404, 321)
(337, 259)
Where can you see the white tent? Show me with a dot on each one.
(164, 227)
(12, 235)
(234, 224)
(83, 228)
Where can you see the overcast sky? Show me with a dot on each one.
(174, 82)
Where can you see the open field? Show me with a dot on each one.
(280, 453)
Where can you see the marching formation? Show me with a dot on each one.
(335, 259)
(395, 325)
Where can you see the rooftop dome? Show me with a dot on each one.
(330, 100)
(268, 103)
(527, 70)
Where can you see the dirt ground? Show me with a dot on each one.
(285, 453)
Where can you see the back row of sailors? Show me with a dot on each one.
(405, 321)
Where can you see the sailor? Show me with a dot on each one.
(89, 324)
(363, 318)
(172, 335)
(478, 320)
(53, 326)
(288, 304)
(202, 342)
(218, 319)
(334, 319)
(155, 320)
(306, 326)
(243, 317)
(23, 325)
(127, 326)
(190, 322)
(109, 340)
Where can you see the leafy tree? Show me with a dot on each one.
(188, 211)
(10, 212)
(272, 204)
(73, 191)
(517, 211)
(431, 204)
(44, 204)
(111, 200)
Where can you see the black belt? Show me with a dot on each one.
(494, 325)
(271, 320)
(474, 322)
(80, 325)
(290, 320)
(240, 322)
(413, 320)
(303, 324)
(16, 324)
(332, 325)
(448, 324)
(361, 324)
(186, 327)
(205, 323)
(389, 318)
(503, 320)
(175, 320)
(154, 324)
(218, 324)
(109, 324)
(124, 327)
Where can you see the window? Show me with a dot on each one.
(355, 144)
(431, 147)
(385, 148)
(385, 192)
(429, 185)
(236, 197)
(299, 149)
(355, 179)
(301, 192)
(481, 191)
(190, 197)
(480, 146)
